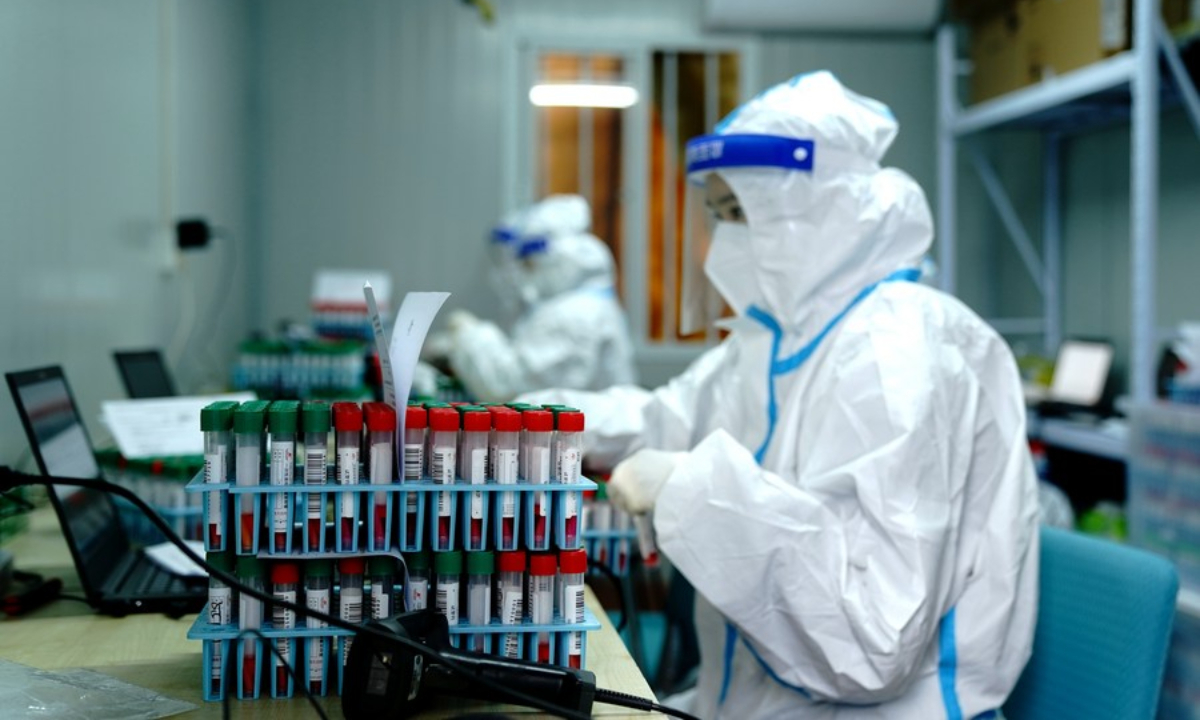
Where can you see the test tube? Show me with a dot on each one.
(602, 511)
(381, 433)
(216, 421)
(381, 570)
(285, 581)
(281, 422)
(621, 521)
(447, 567)
(316, 420)
(474, 460)
(347, 423)
(542, 569)
(480, 566)
(443, 426)
(416, 590)
(510, 592)
(572, 565)
(318, 596)
(350, 597)
(249, 420)
(539, 426)
(506, 438)
(250, 617)
(220, 614)
(568, 442)
(415, 421)
(647, 542)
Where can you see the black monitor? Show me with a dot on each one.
(144, 374)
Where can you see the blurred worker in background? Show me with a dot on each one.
(845, 479)
(571, 331)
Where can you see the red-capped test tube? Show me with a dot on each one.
(443, 433)
(510, 599)
(350, 597)
(285, 582)
(572, 565)
(250, 617)
(381, 433)
(347, 423)
(315, 419)
(502, 456)
(476, 425)
(569, 439)
(415, 422)
(542, 569)
(539, 427)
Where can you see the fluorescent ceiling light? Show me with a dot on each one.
(583, 95)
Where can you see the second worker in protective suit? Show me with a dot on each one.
(571, 332)
(845, 479)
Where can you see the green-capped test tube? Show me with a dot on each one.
(282, 420)
(249, 422)
(216, 422)
(316, 420)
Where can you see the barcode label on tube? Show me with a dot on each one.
(418, 598)
(214, 468)
(314, 506)
(316, 659)
(215, 670)
(569, 465)
(351, 605)
(281, 617)
(282, 463)
(447, 603)
(347, 466)
(442, 465)
(381, 603)
(317, 600)
(413, 460)
(507, 467)
(572, 603)
(314, 466)
(508, 505)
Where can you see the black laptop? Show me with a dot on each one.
(144, 374)
(117, 578)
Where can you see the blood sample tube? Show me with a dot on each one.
(447, 568)
(249, 420)
(415, 422)
(568, 443)
(602, 523)
(480, 566)
(285, 582)
(572, 565)
(506, 430)
(510, 593)
(347, 423)
(350, 596)
(443, 431)
(318, 596)
(216, 421)
(250, 616)
(220, 613)
(416, 590)
(381, 434)
(473, 458)
(315, 418)
(542, 569)
(539, 426)
(282, 419)
(381, 571)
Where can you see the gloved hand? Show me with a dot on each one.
(637, 480)
(459, 320)
(438, 346)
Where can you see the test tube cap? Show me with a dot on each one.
(219, 560)
(415, 418)
(283, 416)
(477, 420)
(318, 568)
(347, 417)
(380, 417)
(512, 561)
(315, 417)
(249, 566)
(285, 573)
(448, 563)
(381, 565)
(481, 563)
(250, 417)
(506, 420)
(417, 560)
(538, 420)
(443, 420)
(543, 563)
(351, 566)
(572, 561)
(217, 416)
(570, 421)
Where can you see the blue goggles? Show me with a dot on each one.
(531, 246)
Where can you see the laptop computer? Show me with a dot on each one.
(144, 374)
(117, 578)
(1080, 383)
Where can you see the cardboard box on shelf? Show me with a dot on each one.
(1000, 42)
(1070, 34)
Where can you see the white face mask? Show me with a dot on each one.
(730, 266)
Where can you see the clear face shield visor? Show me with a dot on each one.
(710, 202)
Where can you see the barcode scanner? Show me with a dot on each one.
(391, 679)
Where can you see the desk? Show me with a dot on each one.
(152, 651)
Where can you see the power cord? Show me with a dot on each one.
(616, 582)
(612, 697)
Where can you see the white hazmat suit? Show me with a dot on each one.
(572, 332)
(856, 505)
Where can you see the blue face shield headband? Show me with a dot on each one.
(714, 152)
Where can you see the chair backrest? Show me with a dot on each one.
(1104, 625)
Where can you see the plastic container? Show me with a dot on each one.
(416, 590)
(381, 433)
(480, 567)
(539, 427)
(415, 423)
(250, 572)
(443, 433)
(510, 603)
(473, 464)
(316, 421)
(568, 469)
(348, 424)
(216, 422)
(282, 421)
(448, 567)
(220, 613)
(285, 586)
(249, 422)
(542, 569)
(503, 456)
(572, 566)
(318, 596)
(381, 571)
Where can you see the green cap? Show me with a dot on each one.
(448, 563)
(481, 563)
(417, 560)
(316, 417)
(437, 405)
(601, 491)
(318, 567)
(469, 408)
(522, 406)
(250, 417)
(219, 560)
(217, 416)
(381, 565)
(248, 566)
(282, 416)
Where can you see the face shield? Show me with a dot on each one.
(716, 226)
(502, 265)
(529, 256)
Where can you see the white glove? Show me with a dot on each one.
(438, 345)
(459, 320)
(637, 480)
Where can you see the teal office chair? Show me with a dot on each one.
(1104, 624)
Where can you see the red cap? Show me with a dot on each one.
(511, 561)
(285, 573)
(477, 421)
(352, 566)
(156, 467)
(570, 422)
(506, 420)
(414, 418)
(380, 417)
(538, 420)
(543, 564)
(573, 561)
(443, 419)
(347, 417)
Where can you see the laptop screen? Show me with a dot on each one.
(144, 374)
(61, 446)
(1081, 372)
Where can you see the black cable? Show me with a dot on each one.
(612, 697)
(616, 581)
(76, 598)
(291, 671)
(10, 479)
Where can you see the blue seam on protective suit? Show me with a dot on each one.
(947, 666)
(771, 673)
(727, 671)
(786, 365)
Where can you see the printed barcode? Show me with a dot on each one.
(351, 608)
(508, 505)
(574, 643)
(316, 659)
(346, 652)
(412, 462)
(216, 661)
(442, 465)
(578, 606)
(282, 618)
(444, 504)
(512, 645)
(314, 506)
(314, 468)
(285, 651)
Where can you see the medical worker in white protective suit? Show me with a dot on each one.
(572, 331)
(845, 479)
